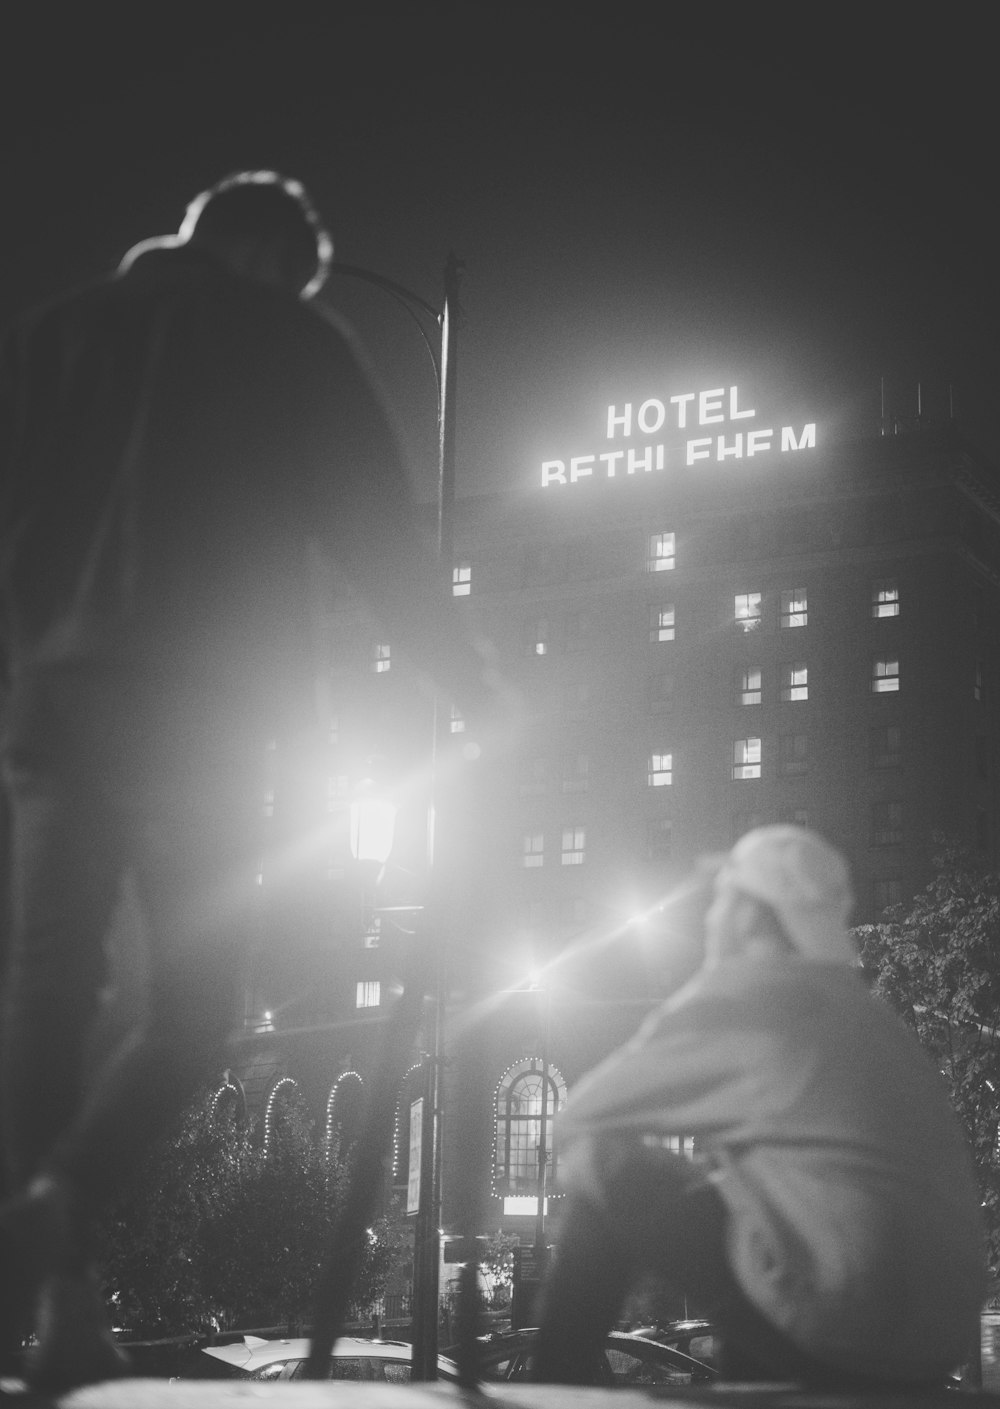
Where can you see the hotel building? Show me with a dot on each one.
(805, 635)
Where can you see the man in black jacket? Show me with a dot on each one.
(176, 443)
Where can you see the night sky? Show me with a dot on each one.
(648, 199)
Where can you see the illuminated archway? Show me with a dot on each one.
(343, 1107)
(230, 1097)
(279, 1095)
(517, 1124)
(408, 1092)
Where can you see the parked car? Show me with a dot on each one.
(626, 1360)
(699, 1339)
(353, 1358)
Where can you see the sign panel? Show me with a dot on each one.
(416, 1143)
(663, 434)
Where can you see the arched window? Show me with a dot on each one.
(518, 1112)
(410, 1088)
(343, 1108)
(284, 1095)
(229, 1102)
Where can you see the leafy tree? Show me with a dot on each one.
(217, 1230)
(497, 1264)
(937, 961)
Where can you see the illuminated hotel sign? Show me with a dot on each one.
(690, 411)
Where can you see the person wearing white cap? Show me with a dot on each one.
(829, 1220)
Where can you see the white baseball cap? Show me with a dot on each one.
(806, 883)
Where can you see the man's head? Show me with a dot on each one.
(781, 889)
(263, 226)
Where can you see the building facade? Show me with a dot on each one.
(809, 637)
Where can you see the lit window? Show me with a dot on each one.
(533, 849)
(747, 610)
(793, 754)
(886, 892)
(660, 557)
(381, 657)
(885, 597)
(795, 682)
(369, 994)
(887, 823)
(977, 680)
(456, 722)
(659, 837)
(373, 932)
(576, 773)
(794, 608)
(746, 758)
(885, 677)
(461, 579)
(660, 690)
(577, 631)
(268, 802)
(573, 840)
(537, 640)
(333, 737)
(519, 1103)
(798, 816)
(748, 685)
(661, 623)
(886, 746)
(660, 772)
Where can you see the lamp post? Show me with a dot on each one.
(543, 1135)
(443, 353)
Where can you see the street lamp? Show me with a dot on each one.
(543, 1128)
(425, 976)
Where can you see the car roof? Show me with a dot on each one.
(511, 1341)
(252, 1353)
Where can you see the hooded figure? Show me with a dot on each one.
(829, 1220)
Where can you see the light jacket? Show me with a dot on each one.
(854, 1218)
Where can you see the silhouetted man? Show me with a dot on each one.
(829, 1220)
(175, 444)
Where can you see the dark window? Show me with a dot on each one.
(793, 754)
(578, 631)
(887, 823)
(982, 758)
(575, 773)
(659, 838)
(745, 822)
(661, 690)
(886, 745)
(886, 891)
(748, 685)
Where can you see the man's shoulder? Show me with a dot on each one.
(66, 306)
